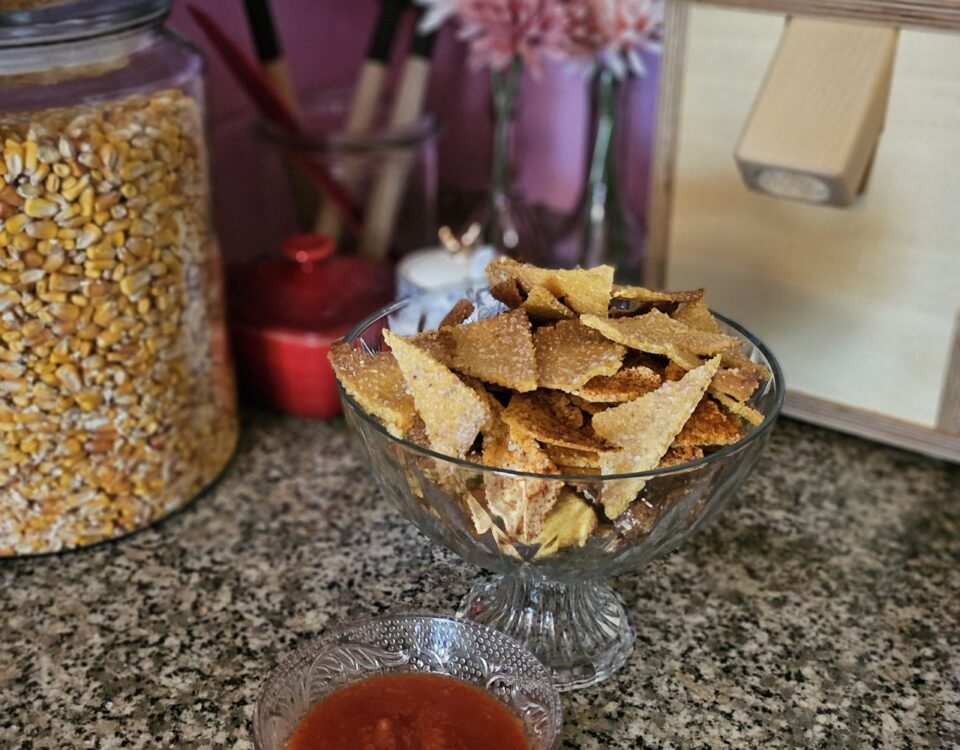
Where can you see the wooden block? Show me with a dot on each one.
(816, 122)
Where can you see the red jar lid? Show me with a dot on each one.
(309, 290)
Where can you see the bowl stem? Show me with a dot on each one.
(580, 629)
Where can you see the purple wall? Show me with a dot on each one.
(325, 42)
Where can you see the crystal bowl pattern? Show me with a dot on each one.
(408, 643)
(558, 606)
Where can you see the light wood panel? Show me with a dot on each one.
(858, 303)
(941, 14)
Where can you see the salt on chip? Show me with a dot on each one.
(740, 409)
(625, 385)
(569, 354)
(530, 415)
(645, 429)
(376, 383)
(460, 311)
(497, 350)
(571, 522)
(542, 305)
(709, 425)
(642, 294)
(451, 412)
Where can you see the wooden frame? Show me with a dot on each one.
(941, 440)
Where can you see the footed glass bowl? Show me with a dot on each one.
(557, 604)
(404, 644)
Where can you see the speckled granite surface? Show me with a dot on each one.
(821, 610)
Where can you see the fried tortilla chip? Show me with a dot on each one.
(590, 407)
(697, 315)
(530, 415)
(540, 304)
(626, 385)
(569, 457)
(709, 425)
(462, 310)
(569, 354)
(642, 294)
(498, 350)
(508, 292)
(376, 383)
(571, 522)
(657, 333)
(586, 291)
(483, 522)
(562, 407)
(741, 410)
(645, 429)
(451, 412)
(440, 345)
(736, 382)
(417, 434)
(522, 503)
(676, 455)
(508, 269)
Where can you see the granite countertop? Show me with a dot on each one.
(822, 609)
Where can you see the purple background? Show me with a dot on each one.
(325, 41)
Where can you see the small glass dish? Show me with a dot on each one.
(409, 643)
(558, 604)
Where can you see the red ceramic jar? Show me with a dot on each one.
(286, 312)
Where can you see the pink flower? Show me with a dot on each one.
(613, 31)
(500, 30)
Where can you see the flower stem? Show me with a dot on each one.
(504, 84)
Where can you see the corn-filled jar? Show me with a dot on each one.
(117, 400)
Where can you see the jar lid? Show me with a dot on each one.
(309, 290)
(42, 21)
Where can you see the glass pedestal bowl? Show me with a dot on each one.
(558, 605)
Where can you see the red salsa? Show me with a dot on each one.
(409, 712)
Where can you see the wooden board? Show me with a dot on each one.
(859, 303)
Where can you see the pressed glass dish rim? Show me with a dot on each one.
(330, 636)
(756, 433)
(76, 19)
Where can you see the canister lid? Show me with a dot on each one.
(44, 21)
(309, 290)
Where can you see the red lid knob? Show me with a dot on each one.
(307, 249)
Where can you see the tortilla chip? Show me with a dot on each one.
(709, 425)
(571, 522)
(645, 429)
(571, 458)
(697, 315)
(736, 382)
(522, 503)
(417, 434)
(562, 407)
(530, 415)
(586, 291)
(483, 522)
(440, 345)
(657, 333)
(626, 385)
(676, 455)
(376, 383)
(451, 412)
(569, 354)
(497, 350)
(741, 410)
(461, 310)
(508, 269)
(542, 305)
(590, 407)
(508, 292)
(642, 294)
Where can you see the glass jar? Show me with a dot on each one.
(117, 400)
